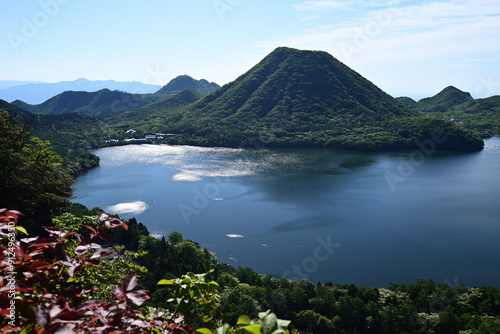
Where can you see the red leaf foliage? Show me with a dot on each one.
(46, 303)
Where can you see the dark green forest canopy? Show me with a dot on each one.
(452, 104)
(103, 103)
(31, 176)
(70, 135)
(182, 82)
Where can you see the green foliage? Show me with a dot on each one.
(72, 135)
(70, 223)
(103, 103)
(109, 273)
(421, 307)
(175, 238)
(266, 323)
(480, 115)
(194, 297)
(31, 174)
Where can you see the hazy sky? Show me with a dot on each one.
(413, 48)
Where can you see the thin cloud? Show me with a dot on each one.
(420, 33)
(316, 6)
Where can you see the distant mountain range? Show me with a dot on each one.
(39, 92)
(103, 103)
(11, 83)
(35, 93)
(106, 103)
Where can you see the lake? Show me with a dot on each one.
(324, 215)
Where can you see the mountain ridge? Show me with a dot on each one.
(107, 103)
(103, 103)
(481, 115)
(447, 98)
(182, 82)
(37, 93)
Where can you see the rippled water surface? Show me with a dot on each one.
(325, 215)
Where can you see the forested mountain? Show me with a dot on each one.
(149, 118)
(38, 92)
(482, 115)
(443, 101)
(180, 99)
(185, 81)
(104, 103)
(20, 114)
(107, 103)
(305, 98)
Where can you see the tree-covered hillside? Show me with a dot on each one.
(103, 104)
(185, 81)
(452, 104)
(70, 135)
(482, 115)
(106, 103)
(300, 98)
(446, 99)
(149, 118)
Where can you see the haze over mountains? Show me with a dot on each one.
(106, 103)
(38, 92)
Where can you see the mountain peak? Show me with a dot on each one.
(182, 82)
(448, 98)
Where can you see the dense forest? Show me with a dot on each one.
(452, 104)
(85, 271)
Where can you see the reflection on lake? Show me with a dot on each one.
(325, 215)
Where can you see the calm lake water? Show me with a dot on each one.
(324, 215)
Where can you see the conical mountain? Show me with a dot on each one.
(304, 98)
(295, 81)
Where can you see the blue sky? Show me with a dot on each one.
(413, 48)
